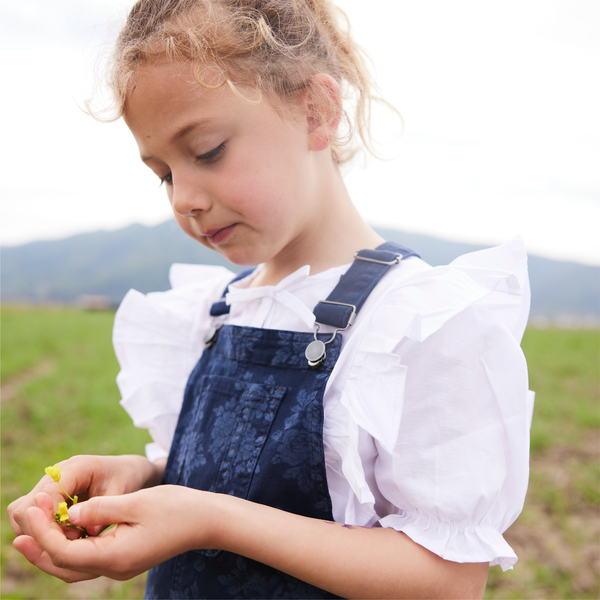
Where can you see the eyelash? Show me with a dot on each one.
(212, 155)
(208, 157)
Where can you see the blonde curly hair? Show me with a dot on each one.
(274, 46)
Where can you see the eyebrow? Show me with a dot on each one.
(189, 128)
(201, 124)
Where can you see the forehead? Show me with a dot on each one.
(163, 86)
(170, 92)
(166, 102)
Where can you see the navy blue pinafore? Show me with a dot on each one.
(251, 425)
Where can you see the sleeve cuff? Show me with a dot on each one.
(479, 543)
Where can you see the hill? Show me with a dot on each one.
(109, 263)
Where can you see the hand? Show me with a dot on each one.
(88, 476)
(153, 526)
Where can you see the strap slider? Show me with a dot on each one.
(350, 318)
(379, 262)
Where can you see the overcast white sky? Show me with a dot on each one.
(500, 100)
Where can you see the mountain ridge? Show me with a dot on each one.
(109, 263)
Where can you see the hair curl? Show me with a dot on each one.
(275, 46)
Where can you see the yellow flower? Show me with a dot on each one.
(62, 511)
(54, 472)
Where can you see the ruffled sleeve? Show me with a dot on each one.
(158, 338)
(430, 435)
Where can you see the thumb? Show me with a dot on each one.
(99, 511)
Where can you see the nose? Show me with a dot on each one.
(187, 195)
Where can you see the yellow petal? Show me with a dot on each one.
(62, 510)
(54, 472)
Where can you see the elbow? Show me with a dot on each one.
(467, 582)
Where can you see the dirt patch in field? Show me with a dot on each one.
(10, 388)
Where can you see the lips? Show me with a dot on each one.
(216, 236)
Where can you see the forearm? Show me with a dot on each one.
(156, 470)
(352, 562)
(159, 523)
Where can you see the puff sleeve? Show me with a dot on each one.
(158, 338)
(431, 431)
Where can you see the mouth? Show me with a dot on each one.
(216, 236)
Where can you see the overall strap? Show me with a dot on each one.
(348, 296)
(354, 287)
(221, 307)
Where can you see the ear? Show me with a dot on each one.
(324, 110)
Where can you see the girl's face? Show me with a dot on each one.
(240, 178)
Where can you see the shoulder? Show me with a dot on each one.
(435, 332)
(172, 318)
(416, 300)
(192, 286)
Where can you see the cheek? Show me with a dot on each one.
(256, 179)
(248, 192)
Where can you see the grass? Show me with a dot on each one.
(58, 371)
(70, 407)
(564, 373)
(557, 537)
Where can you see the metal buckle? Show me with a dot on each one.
(315, 352)
(379, 262)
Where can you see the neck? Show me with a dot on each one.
(333, 233)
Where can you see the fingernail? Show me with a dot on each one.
(74, 513)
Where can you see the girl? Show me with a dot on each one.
(372, 444)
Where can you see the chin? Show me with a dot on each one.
(240, 261)
(238, 257)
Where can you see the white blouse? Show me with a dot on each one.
(426, 413)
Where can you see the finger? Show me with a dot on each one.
(87, 556)
(72, 534)
(17, 510)
(100, 511)
(47, 534)
(95, 529)
(45, 504)
(34, 553)
(14, 516)
(52, 541)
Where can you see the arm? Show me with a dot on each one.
(352, 562)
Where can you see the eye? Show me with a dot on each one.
(168, 179)
(212, 155)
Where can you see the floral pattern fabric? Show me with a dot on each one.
(251, 426)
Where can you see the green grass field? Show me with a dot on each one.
(58, 369)
(59, 398)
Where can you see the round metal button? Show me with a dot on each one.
(316, 364)
(315, 353)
